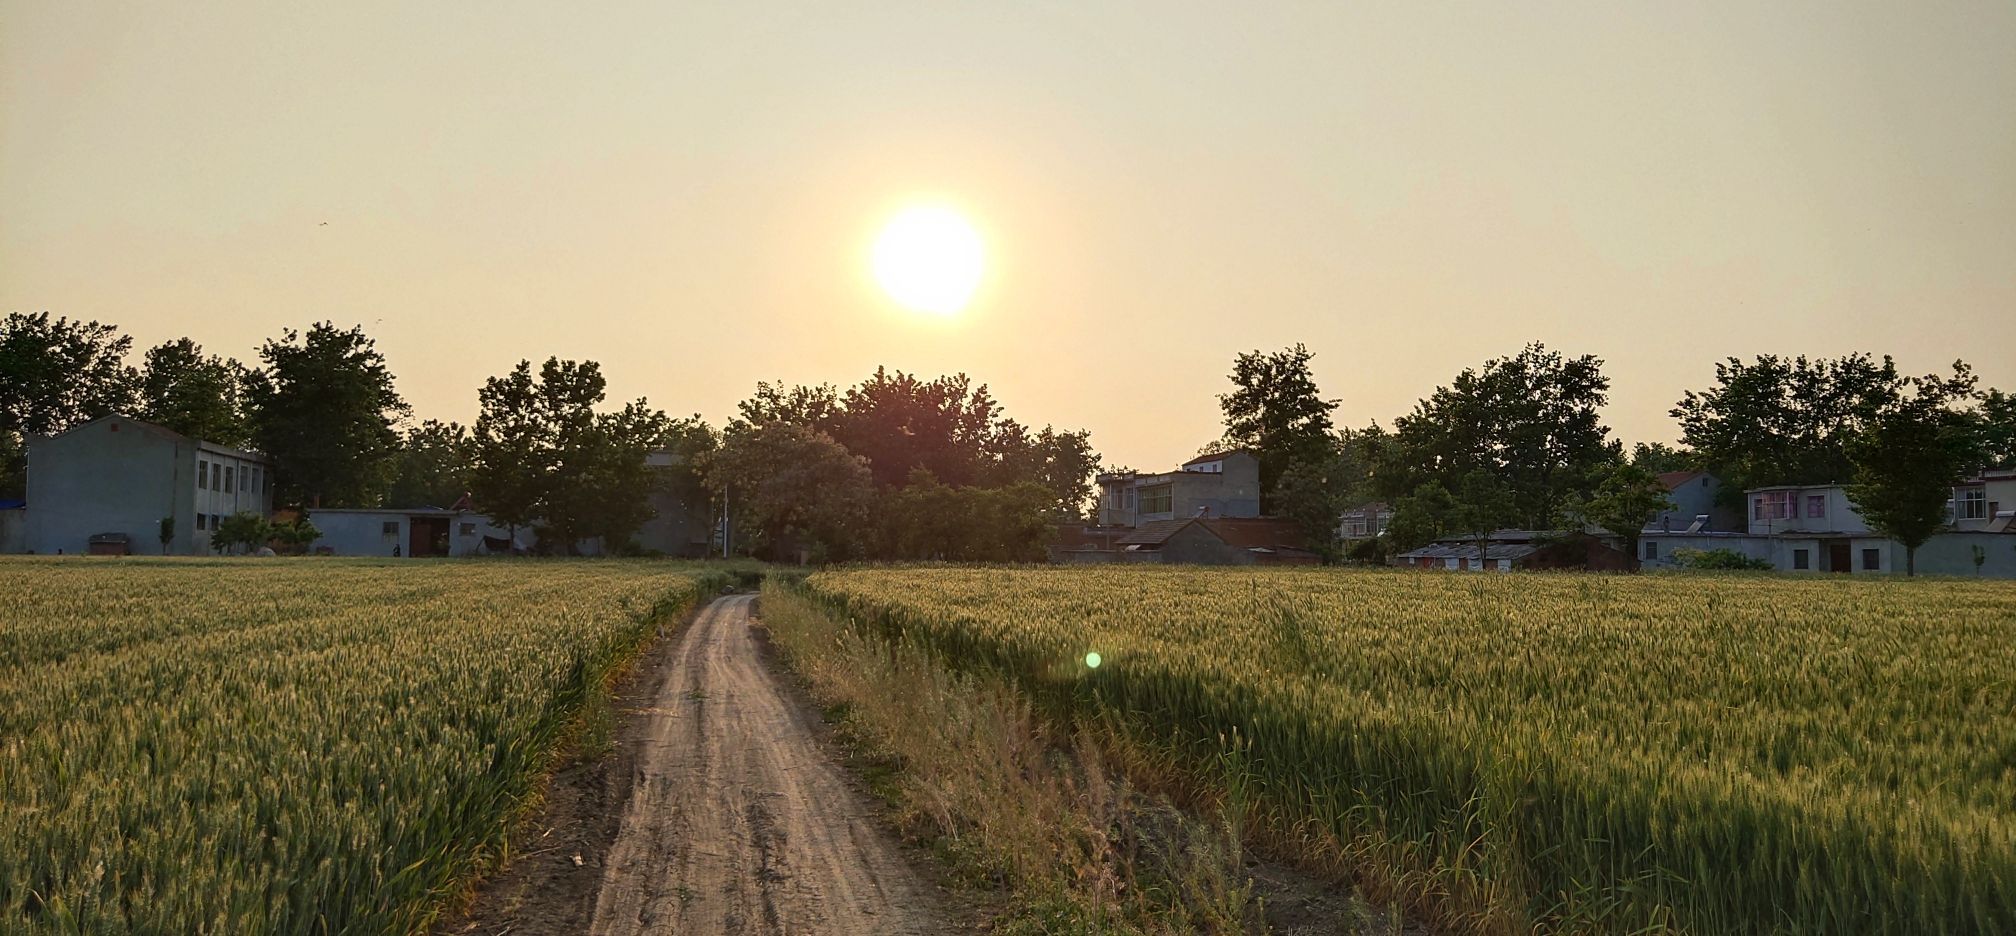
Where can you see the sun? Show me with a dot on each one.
(929, 258)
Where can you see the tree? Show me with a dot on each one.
(1062, 463)
(1628, 497)
(1314, 492)
(1906, 461)
(1997, 429)
(296, 535)
(1530, 420)
(167, 533)
(793, 486)
(431, 468)
(324, 410)
(543, 453)
(55, 374)
(200, 396)
(244, 528)
(1483, 504)
(510, 453)
(1277, 412)
(1422, 516)
(1786, 420)
(1660, 458)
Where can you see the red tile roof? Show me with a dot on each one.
(1214, 456)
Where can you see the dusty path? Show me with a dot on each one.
(737, 821)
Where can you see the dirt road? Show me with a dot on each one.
(737, 821)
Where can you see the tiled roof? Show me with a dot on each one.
(1214, 456)
(1673, 479)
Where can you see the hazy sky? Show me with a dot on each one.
(687, 192)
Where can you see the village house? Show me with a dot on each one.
(1221, 484)
(1195, 541)
(106, 486)
(1363, 522)
(1816, 528)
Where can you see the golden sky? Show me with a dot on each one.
(687, 192)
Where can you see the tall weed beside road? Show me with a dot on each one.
(287, 746)
(1552, 752)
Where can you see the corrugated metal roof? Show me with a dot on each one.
(1469, 551)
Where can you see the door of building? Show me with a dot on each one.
(428, 537)
(1837, 557)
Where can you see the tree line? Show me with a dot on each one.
(1519, 442)
(904, 467)
(896, 467)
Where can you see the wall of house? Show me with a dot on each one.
(110, 476)
(360, 533)
(364, 532)
(13, 531)
(681, 528)
(1655, 550)
(1197, 545)
(1839, 515)
(1694, 498)
(2001, 497)
(224, 486)
(1953, 554)
(1233, 491)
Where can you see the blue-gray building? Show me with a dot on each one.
(107, 485)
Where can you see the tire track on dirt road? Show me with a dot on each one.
(738, 822)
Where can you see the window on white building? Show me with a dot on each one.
(1651, 549)
(228, 472)
(389, 528)
(468, 529)
(1872, 560)
(1802, 559)
(1816, 505)
(1774, 505)
(199, 521)
(202, 475)
(1971, 503)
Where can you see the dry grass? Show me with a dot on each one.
(1007, 800)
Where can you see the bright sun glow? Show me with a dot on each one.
(928, 258)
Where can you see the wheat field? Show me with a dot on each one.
(287, 746)
(1551, 752)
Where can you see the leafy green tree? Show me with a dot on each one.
(1997, 429)
(323, 409)
(542, 452)
(295, 536)
(1906, 462)
(1531, 421)
(792, 486)
(1422, 516)
(1484, 504)
(13, 466)
(57, 373)
(54, 374)
(167, 533)
(602, 481)
(1063, 463)
(200, 396)
(1314, 491)
(431, 468)
(1659, 458)
(244, 529)
(1628, 497)
(1276, 411)
(1782, 420)
(510, 451)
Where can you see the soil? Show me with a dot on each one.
(719, 812)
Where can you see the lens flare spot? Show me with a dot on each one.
(1092, 660)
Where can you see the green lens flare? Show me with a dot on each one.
(1092, 660)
